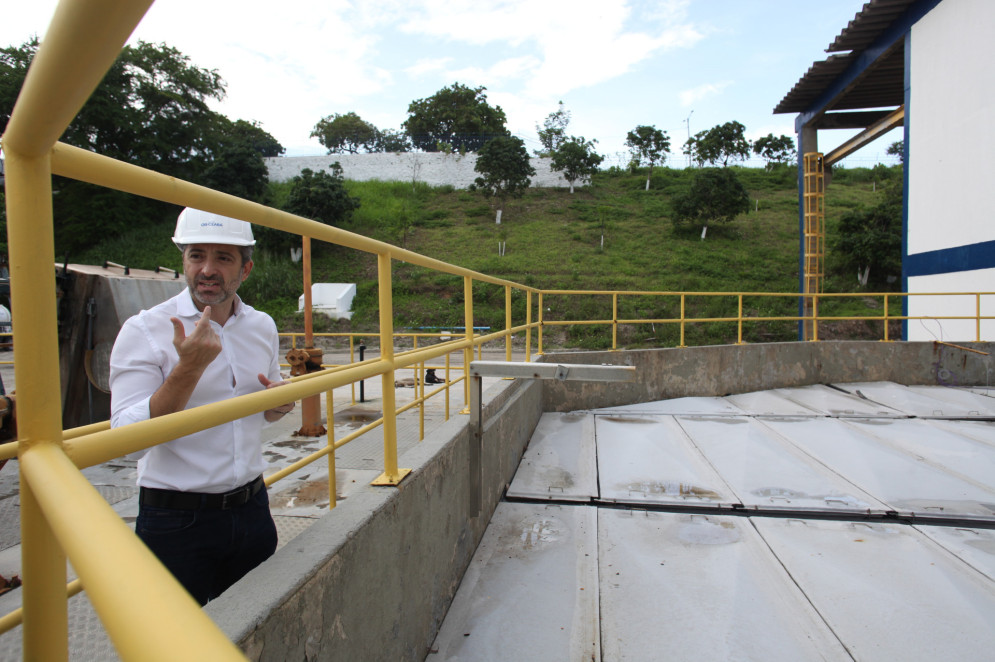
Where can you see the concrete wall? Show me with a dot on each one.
(373, 579)
(435, 169)
(726, 369)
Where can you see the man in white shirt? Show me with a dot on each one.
(203, 508)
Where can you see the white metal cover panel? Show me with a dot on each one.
(886, 591)
(831, 402)
(770, 403)
(976, 547)
(531, 591)
(973, 403)
(895, 477)
(912, 401)
(983, 431)
(649, 459)
(714, 406)
(941, 447)
(560, 460)
(766, 471)
(695, 587)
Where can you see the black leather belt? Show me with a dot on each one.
(155, 498)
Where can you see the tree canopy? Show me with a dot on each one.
(648, 145)
(151, 109)
(775, 149)
(503, 164)
(576, 159)
(348, 133)
(716, 195)
(553, 131)
(721, 143)
(868, 242)
(456, 117)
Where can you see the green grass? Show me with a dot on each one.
(553, 240)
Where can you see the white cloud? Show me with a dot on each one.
(689, 97)
(427, 66)
(559, 48)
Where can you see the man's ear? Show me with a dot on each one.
(246, 268)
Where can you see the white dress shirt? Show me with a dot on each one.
(218, 459)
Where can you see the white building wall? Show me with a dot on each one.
(435, 169)
(951, 143)
(938, 296)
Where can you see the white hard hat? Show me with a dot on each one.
(200, 227)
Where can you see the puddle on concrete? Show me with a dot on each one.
(356, 417)
(300, 443)
(312, 493)
(557, 478)
(629, 419)
(667, 488)
(708, 532)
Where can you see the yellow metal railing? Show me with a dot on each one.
(743, 318)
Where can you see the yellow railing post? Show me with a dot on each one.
(507, 322)
(540, 323)
(815, 318)
(468, 328)
(528, 326)
(886, 318)
(739, 322)
(614, 320)
(391, 475)
(330, 419)
(39, 410)
(682, 322)
(977, 308)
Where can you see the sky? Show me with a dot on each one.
(680, 65)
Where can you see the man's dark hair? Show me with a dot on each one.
(244, 251)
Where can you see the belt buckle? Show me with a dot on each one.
(235, 499)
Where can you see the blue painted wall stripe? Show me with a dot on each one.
(950, 260)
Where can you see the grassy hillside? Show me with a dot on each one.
(610, 235)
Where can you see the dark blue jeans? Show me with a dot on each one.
(209, 550)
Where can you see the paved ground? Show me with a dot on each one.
(296, 501)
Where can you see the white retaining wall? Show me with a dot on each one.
(435, 169)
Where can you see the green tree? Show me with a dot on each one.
(151, 109)
(237, 169)
(553, 131)
(255, 137)
(715, 196)
(648, 145)
(775, 150)
(321, 196)
(347, 133)
(457, 116)
(389, 140)
(897, 148)
(576, 159)
(503, 163)
(868, 242)
(723, 142)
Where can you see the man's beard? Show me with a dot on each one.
(225, 290)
